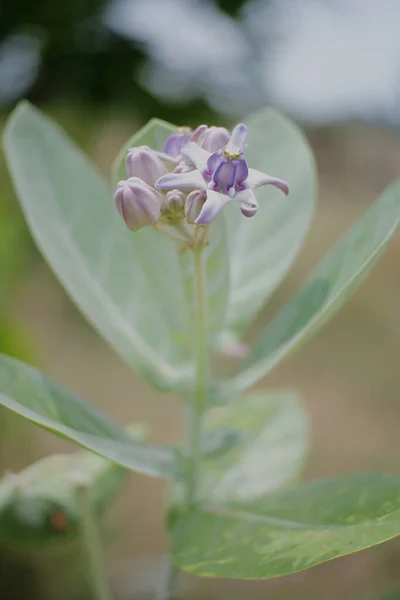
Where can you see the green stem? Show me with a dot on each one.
(196, 408)
(169, 582)
(201, 360)
(92, 544)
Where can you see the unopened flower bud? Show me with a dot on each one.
(144, 163)
(138, 203)
(214, 138)
(175, 200)
(193, 205)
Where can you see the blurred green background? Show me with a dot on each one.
(104, 67)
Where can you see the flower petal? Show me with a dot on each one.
(241, 172)
(175, 143)
(214, 138)
(195, 155)
(257, 179)
(197, 133)
(167, 157)
(248, 203)
(247, 199)
(239, 136)
(215, 201)
(193, 180)
(224, 176)
(214, 161)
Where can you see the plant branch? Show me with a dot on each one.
(91, 543)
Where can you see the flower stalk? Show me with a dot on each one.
(200, 346)
(197, 404)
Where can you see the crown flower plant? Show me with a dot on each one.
(171, 263)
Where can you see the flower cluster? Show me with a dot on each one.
(188, 183)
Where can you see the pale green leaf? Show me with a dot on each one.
(323, 293)
(31, 394)
(287, 531)
(253, 446)
(128, 285)
(263, 248)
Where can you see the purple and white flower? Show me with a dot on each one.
(223, 175)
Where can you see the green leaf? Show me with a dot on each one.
(39, 503)
(154, 134)
(287, 531)
(29, 393)
(128, 285)
(253, 446)
(323, 293)
(263, 249)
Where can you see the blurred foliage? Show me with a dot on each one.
(18, 575)
(38, 505)
(84, 62)
(13, 245)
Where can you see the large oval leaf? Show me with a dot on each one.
(262, 249)
(128, 285)
(287, 531)
(327, 288)
(28, 392)
(216, 255)
(253, 446)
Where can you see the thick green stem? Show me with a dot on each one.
(200, 334)
(197, 404)
(92, 544)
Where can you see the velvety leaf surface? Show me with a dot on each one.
(253, 446)
(263, 248)
(128, 285)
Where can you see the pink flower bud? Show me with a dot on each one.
(138, 203)
(144, 163)
(193, 205)
(214, 138)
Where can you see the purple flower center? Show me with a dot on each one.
(227, 170)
